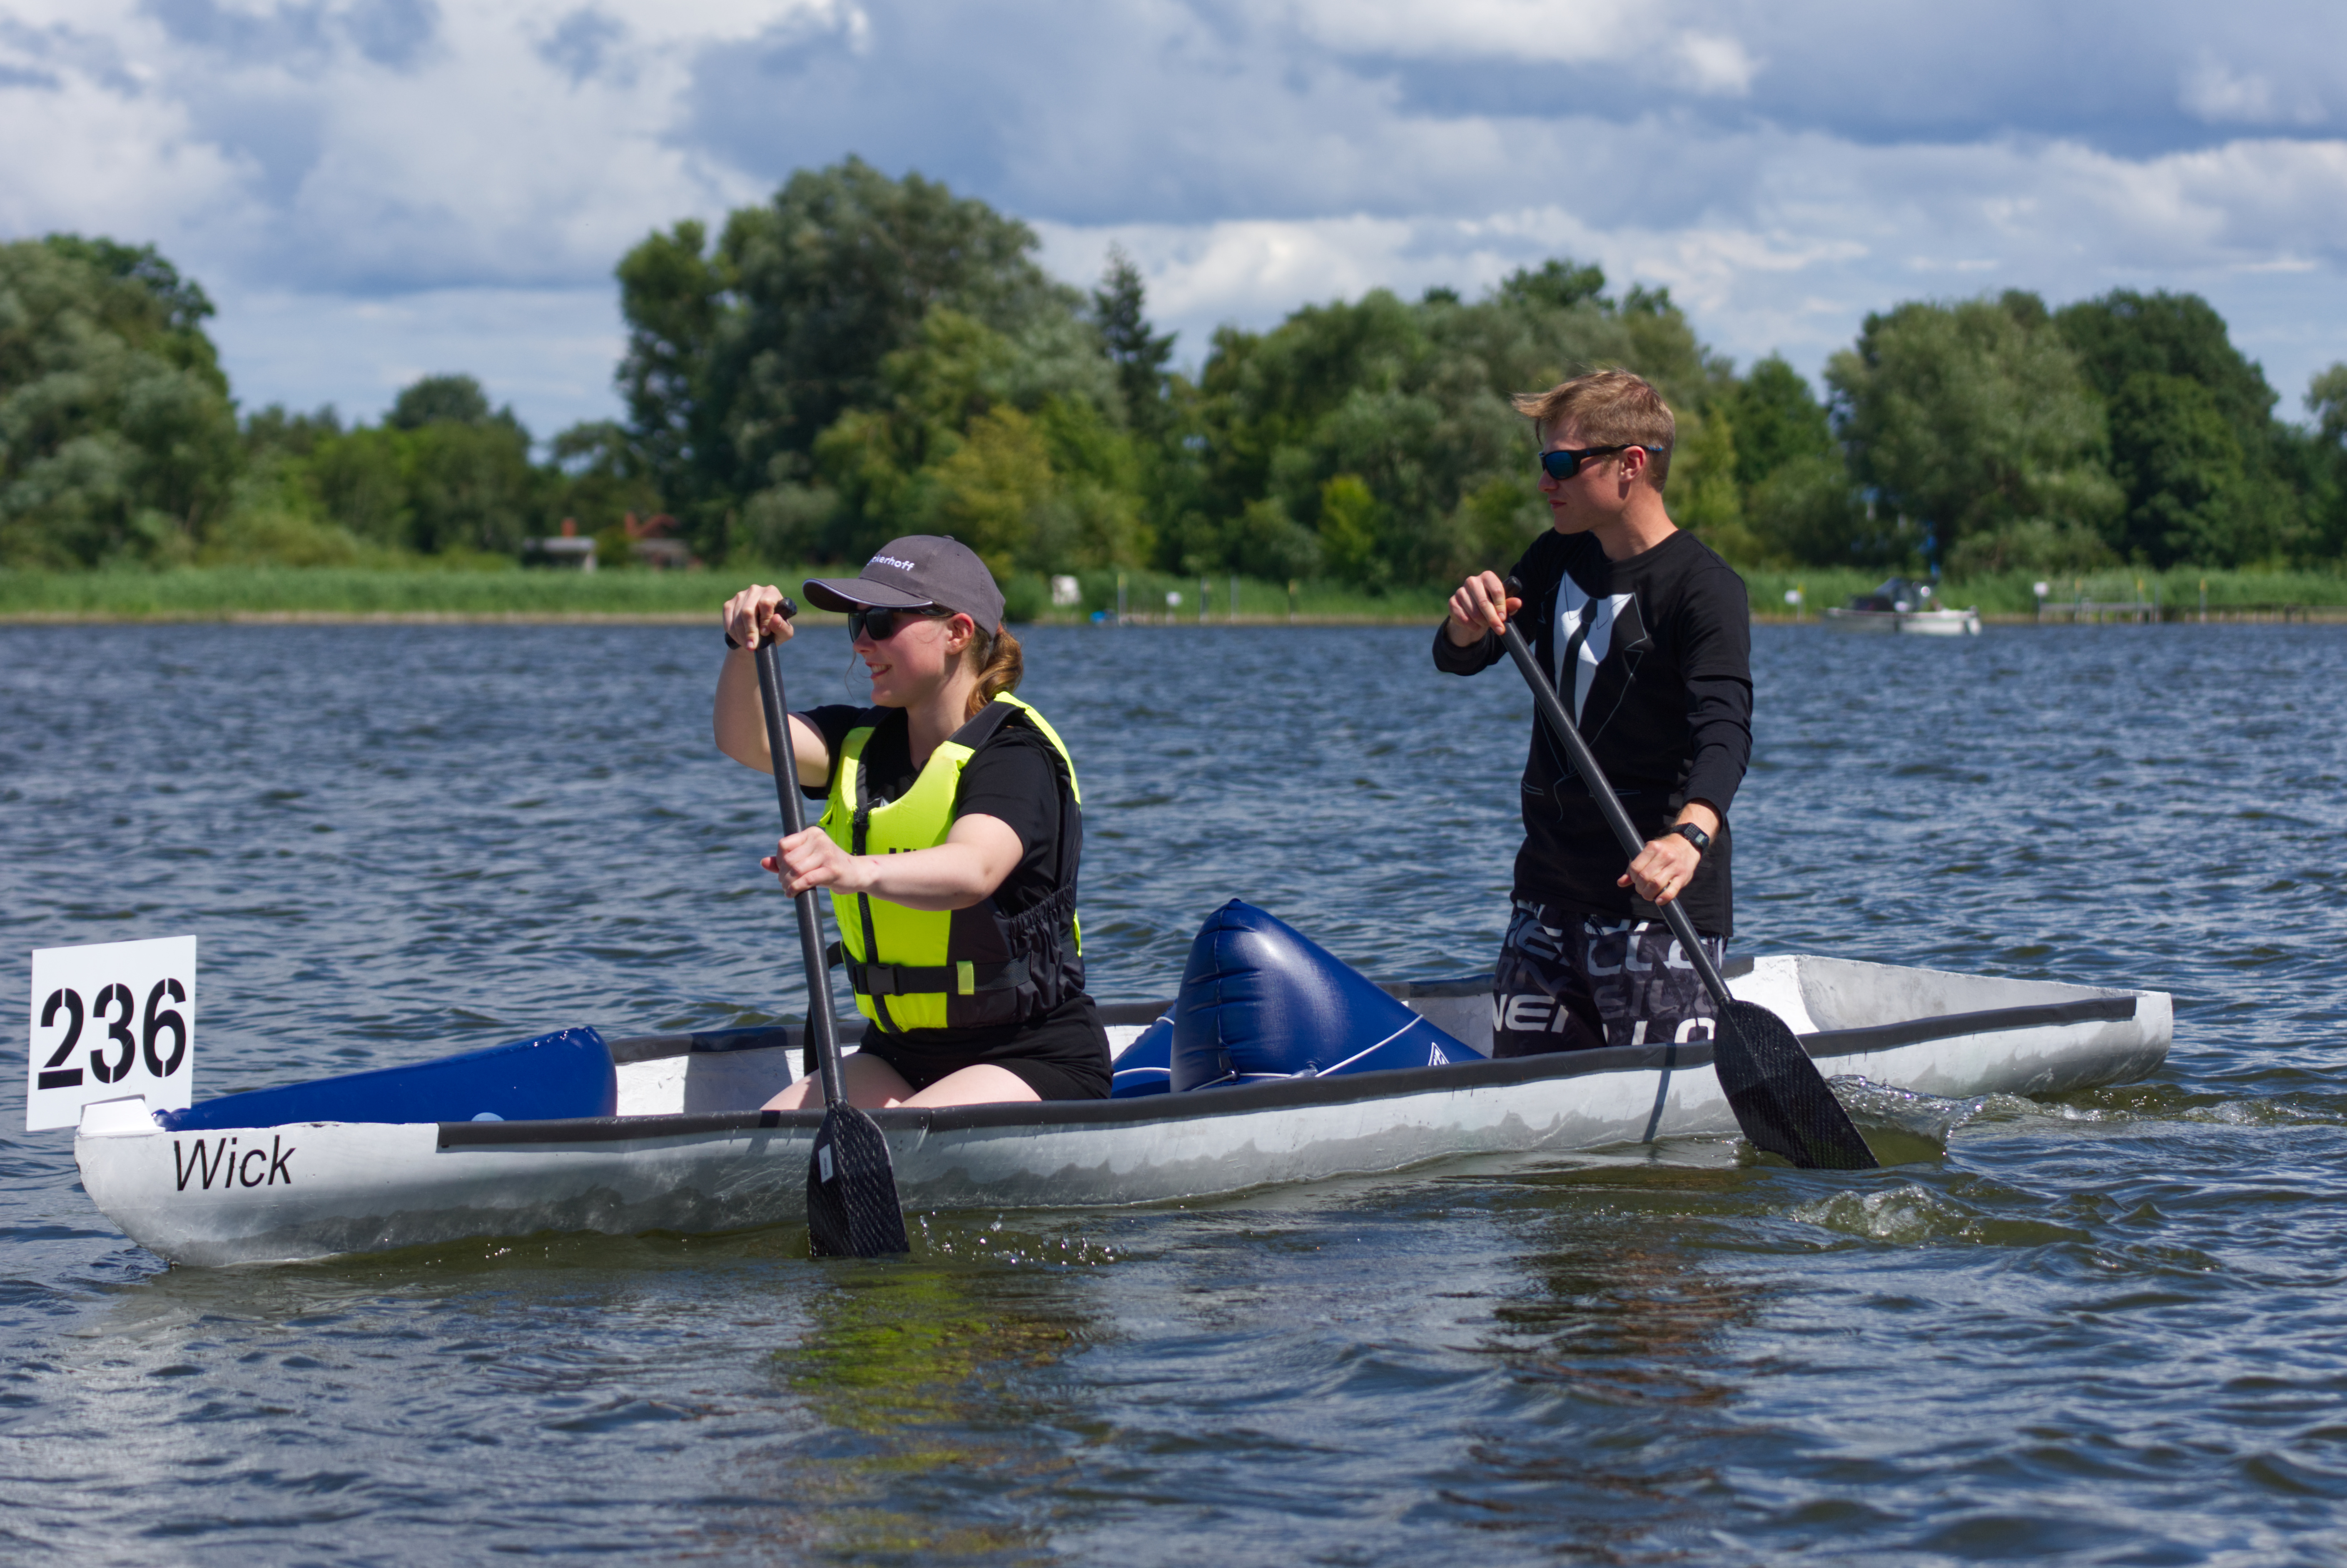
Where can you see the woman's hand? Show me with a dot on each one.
(978, 854)
(1482, 605)
(814, 859)
(755, 612)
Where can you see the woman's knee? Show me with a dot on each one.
(871, 1084)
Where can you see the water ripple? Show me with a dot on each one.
(2103, 1326)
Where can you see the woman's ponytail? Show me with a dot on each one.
(1000, 664)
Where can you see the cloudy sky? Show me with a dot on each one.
(372, 189)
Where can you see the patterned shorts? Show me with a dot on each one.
(1573, 982)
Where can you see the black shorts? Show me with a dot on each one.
(1064, 1055)
(1567, 981)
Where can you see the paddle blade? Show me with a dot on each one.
(1780, 1099)
(852, 1208)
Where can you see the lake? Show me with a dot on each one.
(2108, 1327)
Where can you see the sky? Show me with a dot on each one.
(372, 191)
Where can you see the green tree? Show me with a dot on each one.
(2167, 370)
(1778, 421)
(441, 474)
(440, 400)
(673, 295)
(993, 485)
(1034, 411)
(1348, 531)
(2179, 461)
(599, 477)
(2321, 458)
(362, 479)
(473, 488)
(117, 437)
(2124, 333)
(1119, 312)
(1410, 400)
(740, 359)
(1974, 416)
(1557, 284)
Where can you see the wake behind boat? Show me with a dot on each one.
(661, 1132)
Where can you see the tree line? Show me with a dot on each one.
(862, 356)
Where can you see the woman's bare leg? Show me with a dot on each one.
(984, 1084)
(871, 1084)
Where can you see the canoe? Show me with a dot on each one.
(683, 1149)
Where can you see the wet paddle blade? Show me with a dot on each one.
(1780, 1100)
(852, 1210)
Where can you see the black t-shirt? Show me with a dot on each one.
(1661, 656)
(1014, 778)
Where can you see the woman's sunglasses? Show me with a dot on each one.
(880, 625)
(1564, 464)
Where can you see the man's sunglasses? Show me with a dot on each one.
(880, 625)
(1564, 464)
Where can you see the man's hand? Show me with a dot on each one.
(1480, 606)
(1663, 869)
(756, 612)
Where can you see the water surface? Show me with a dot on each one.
(2105, 1328)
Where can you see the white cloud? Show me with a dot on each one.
(1829, 232)
(1520, 29)
(2220, 95)
(375, 186)
(1717, 65)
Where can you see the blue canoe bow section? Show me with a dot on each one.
(553, 1076)
(1261, 1000)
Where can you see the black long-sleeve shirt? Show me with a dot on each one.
(1658, 651)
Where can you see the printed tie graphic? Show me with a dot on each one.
(1587, 629)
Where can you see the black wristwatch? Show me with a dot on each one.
(1693, 834)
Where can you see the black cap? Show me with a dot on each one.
(916, 572)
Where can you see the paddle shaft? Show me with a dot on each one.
(1551, 709)
(822, 1027)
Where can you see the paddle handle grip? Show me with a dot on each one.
(1568, 734)
(822, 1029)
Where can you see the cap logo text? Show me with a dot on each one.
(892, 561)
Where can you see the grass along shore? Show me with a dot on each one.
(2012, 595)
(349, 593)
(342, 593)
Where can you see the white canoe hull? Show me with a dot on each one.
(694, 1158)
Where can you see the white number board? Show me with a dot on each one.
(112, 1020)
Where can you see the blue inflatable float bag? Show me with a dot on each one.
(1146, 1066)
(543, 1080)
(1260, 1000)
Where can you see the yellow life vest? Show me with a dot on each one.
(952, 968)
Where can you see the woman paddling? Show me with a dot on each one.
(949, 841)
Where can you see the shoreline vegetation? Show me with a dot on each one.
(276, 594)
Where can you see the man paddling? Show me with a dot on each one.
(1647, 636)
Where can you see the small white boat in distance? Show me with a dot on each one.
(676, 1141)
(1903, 606)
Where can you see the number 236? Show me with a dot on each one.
(159, 1020)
